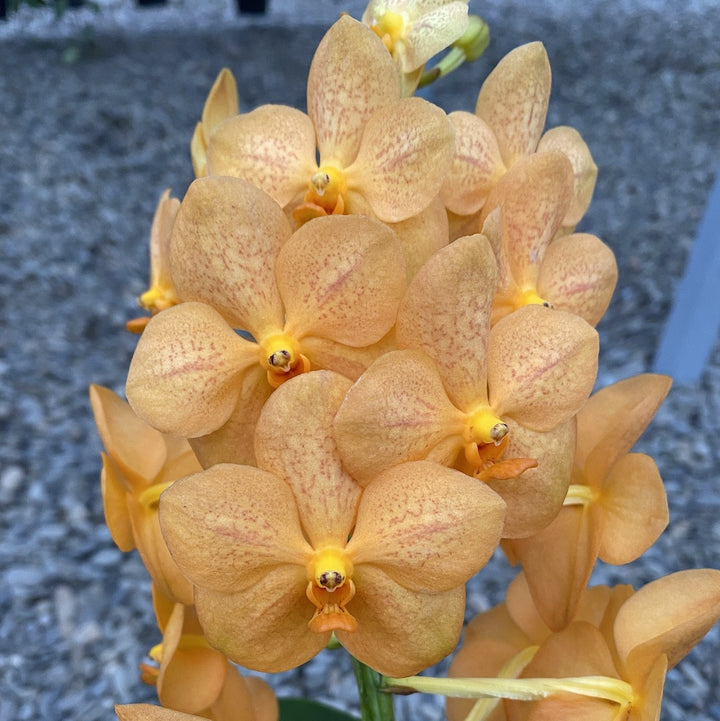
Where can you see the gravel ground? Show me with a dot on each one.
(87, 149)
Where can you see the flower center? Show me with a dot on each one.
(325, 195)
(530, 297)
(389, 27)
(330, 589)
(485, 427)
(282, 359)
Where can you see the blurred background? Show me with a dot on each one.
(98, 104)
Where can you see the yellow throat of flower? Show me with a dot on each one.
(330, 588)
(389, 27)
(325, 195)
(281, 357)
(529, 296)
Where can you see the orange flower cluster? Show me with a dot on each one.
(368, 365)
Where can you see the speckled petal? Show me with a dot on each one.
(542, 365)
(476, 165)
(406, 151)
(430, 528)
(446, 313)
(424, 627)
(432, 30)
(273, 147)
(228, 526)
(294, 440)
(341, 277)
(397, 411)
(225, 239)
(514, 98)
(351, 75)
(578, 274)
(186, 373)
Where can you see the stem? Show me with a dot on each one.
(520, 689)
(375, 704)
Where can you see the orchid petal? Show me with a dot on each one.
(635, 509)
(222, 102)
(430, 528)
(569, 141)
(342, 278)
(148, 712)
(397, 411)
(186, 373)
(535, 497)
(446, 313)
(351, 75)
(263, 699)
(234, 441)
(476, 165)
(225, 239)
(114, 495)
(294, 441)
(578, 274)
(424, 627)
(273, 147)
(668, 616)
(613, 419)
(228, 526)
(136, 448)
(514, 98)
(542, 365)
(264, 627)
(406, 150)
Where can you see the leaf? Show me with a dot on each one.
(298, 709)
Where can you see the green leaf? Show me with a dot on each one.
(298, 709)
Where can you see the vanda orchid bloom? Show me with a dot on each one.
(616, 506)
(321, 297)
(285, 554)
(378, 154)
(195, 678)
(508, 125)
(139, 463)
(576, 273)
(415, 30)
(495, 402)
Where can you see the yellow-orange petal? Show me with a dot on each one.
(446, 313)
(542, 365)
(221, 103)
(405, 152)
(351, 75)
(263, 699)
(578, 274)
(476, 165)
(224, 242)
(668, 616)
(341, 278)
(430, 528)
(265, 626)
(136, 448)
(568, 141)
(635, 509)
(186, 373)
(148, 712)
(273, 147)
(115, 495)
(229, 526)
(294, 440)
(234, 441)
(612, 420)
(514, 98)
(397, 411)
(424, 627)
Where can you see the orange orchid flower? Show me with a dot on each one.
(161, 294)
(139, 463)
(221, 103)
(461, 387)
(508, 125)
(376, 150)
(616, 505)
(323, 296)
(576, 273)
(267, 548)
(195, 678)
